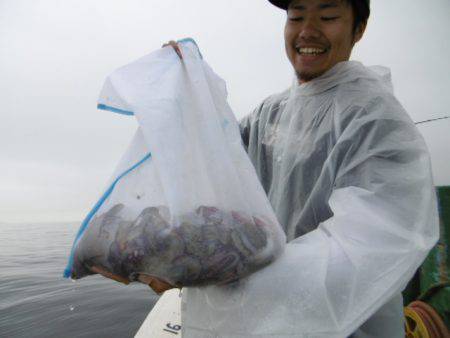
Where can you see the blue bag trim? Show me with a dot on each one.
(195, 43)
(68, 269)
(114, 110)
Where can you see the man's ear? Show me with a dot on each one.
(359, 32)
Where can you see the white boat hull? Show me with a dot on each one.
(164, 321)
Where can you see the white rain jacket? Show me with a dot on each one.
(349, 178)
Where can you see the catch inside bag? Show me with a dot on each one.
(184, 204)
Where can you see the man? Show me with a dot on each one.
(349, 178)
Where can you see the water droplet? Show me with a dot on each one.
(71, 307)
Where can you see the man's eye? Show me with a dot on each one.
(298, 18)
(329, 18)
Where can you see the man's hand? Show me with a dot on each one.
(109, 275)
(175, 46)
(156, 284)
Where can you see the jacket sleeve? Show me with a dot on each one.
(331, 280)
(244, 128)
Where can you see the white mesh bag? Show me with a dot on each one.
(184, 204)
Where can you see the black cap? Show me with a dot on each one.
(285, 3)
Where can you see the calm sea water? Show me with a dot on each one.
(35, 301)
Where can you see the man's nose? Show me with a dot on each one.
(310, 29)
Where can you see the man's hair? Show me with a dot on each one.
(361, 12)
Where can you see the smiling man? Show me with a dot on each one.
(349, 178)
(319, 34)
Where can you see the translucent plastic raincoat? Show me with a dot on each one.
(349, 178)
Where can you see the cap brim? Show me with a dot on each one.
(283, 4)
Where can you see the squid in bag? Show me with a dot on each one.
(184, 204)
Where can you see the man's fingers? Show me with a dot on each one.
(156, 284)
(175, 46)
(109, 275)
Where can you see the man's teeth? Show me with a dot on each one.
(310, 51)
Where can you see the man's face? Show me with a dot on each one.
(319, 34)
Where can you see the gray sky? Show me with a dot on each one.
(57, 151)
